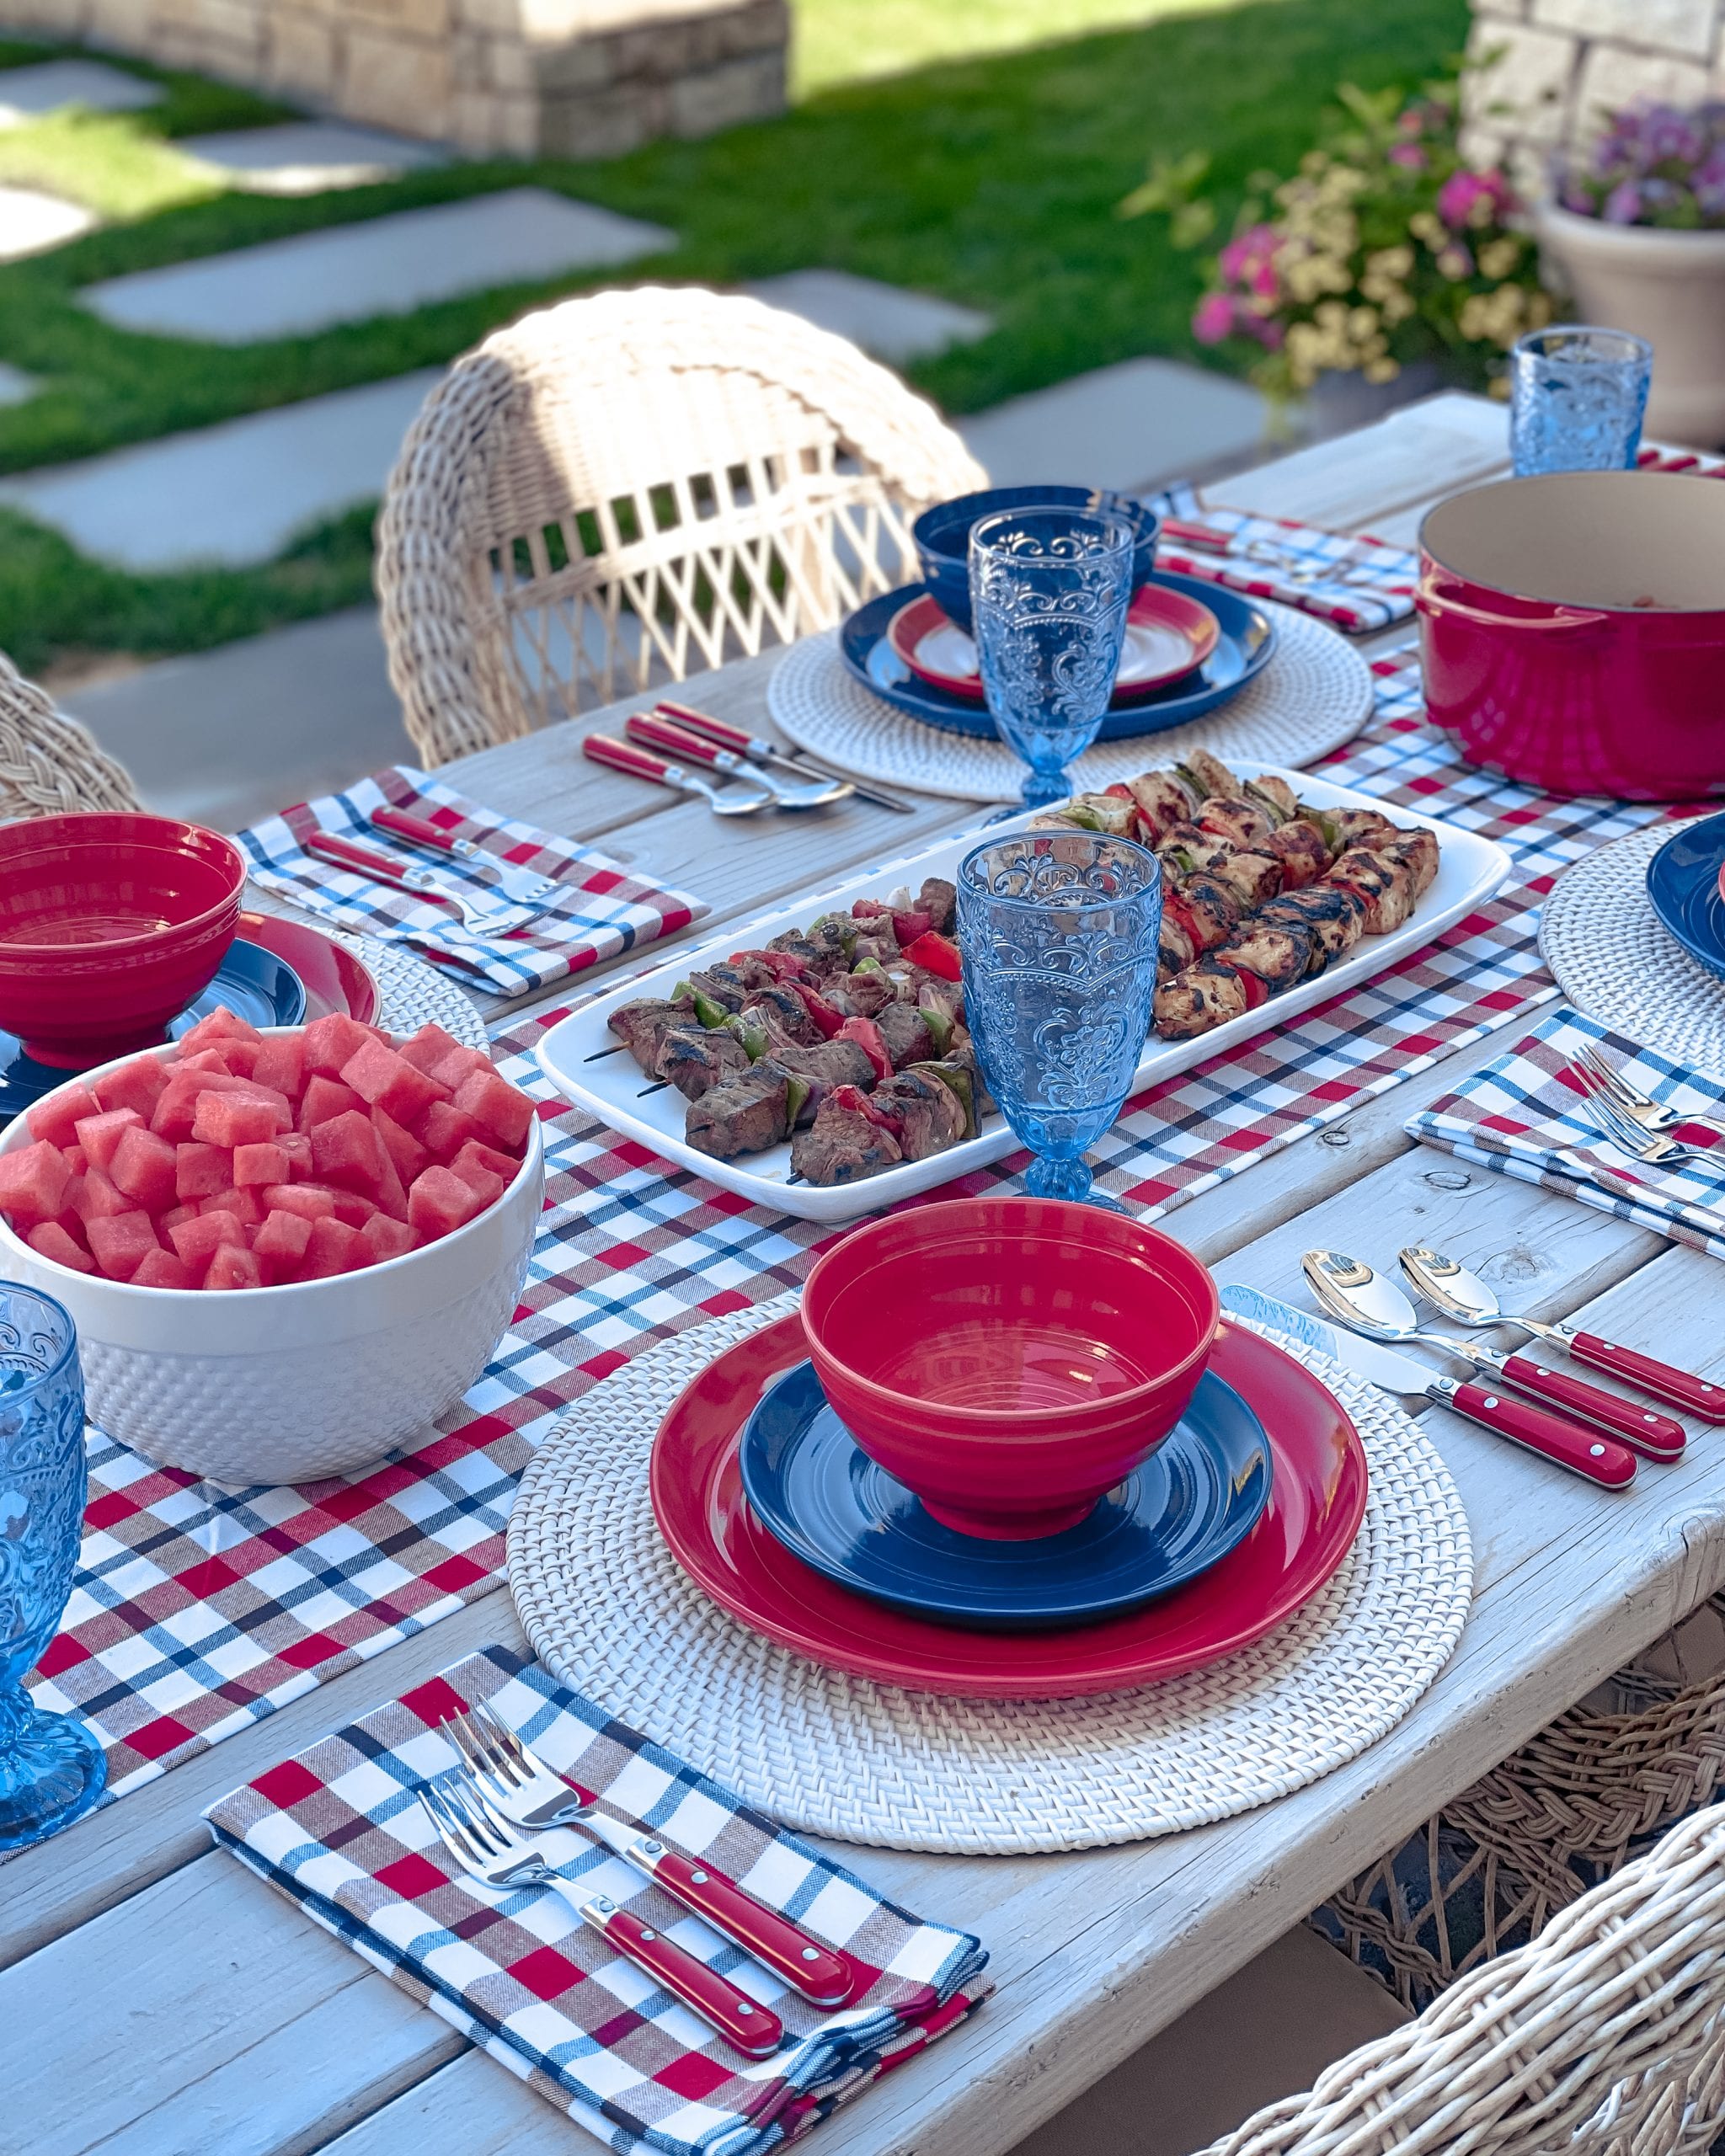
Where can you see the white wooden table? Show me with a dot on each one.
(156, 1998)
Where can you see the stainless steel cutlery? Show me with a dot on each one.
(759, 750)
(482, 914)
(651, 731)
(521, 885)
(722, 800)
(1587, 1064)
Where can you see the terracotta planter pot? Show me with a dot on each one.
(1668, 287)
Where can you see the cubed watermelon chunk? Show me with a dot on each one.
(234, 1267)
(458, 1064)
(392, 1191)
(310, 1201)
(232, 1119)
(486, 1184)
(75, 1159)
(443, 1130)
(49, 1239)
(138, 1085)
(94, 1198)
(177, 1109)
(56, 1118)
(348, 1152)
(222, 1025)
(119, 1242)
(100, 1135)
(296, 1144)
(438, 1203)
(282, 1063)
(428, 1046)
(323, 1100)
(408, 1155)
(384, 1080)
(503, 1111)
(384, 1238)
(245, 1205)
(209, 1060)
(241, 1057)
(476, 1154)
(259, 1164)
(280, 1245)
(351, 1210)
(169, 1220)
(197, 1241)
(199, 1170)
(143, 1168)
(35, 1183)
(332, 1042)
(161, 1268)
(333, 1247)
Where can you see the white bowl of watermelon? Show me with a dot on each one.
(286, 1253)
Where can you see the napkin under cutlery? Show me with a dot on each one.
(340, 1829)
(1522, 1116)
(1357, 583)
(607, 911)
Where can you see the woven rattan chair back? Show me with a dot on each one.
(1606, 2037)
(626, 489)
(49, 764)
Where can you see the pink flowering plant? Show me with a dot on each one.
(1385, 247)
(1653, 164)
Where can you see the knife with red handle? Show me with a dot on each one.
(759, 750)
(1657, 1436)
(1695, 1396)
(521, 885)
(755, 2030)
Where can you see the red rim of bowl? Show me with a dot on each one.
(1026, 1423)
(189, 930)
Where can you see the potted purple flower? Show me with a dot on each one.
(1636, 226)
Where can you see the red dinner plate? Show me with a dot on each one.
(1168, 633)
(334, 979)
(1317, 1496)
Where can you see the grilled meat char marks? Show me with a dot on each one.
(695, 1060)
(746, 1114)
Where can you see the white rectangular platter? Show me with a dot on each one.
(1470, 869)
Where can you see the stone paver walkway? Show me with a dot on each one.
(884, 319)
(1134, 424)
(385, 265)
(235, 493)
(31, 223)
(27, 94)
(309, 156)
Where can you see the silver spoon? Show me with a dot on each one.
(1464, 1296)
(653, 731)
(1350, 1290)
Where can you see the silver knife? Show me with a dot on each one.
(521, 885)
(1568, 1444)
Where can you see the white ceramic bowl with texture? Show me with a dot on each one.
(311, 1379)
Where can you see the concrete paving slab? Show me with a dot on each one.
(309, 156)
(15, 385)
(229, 735)
(47, 85)
(234, 493)
(31, 222)
(1134, 424)
(385, 265)
(884, 319)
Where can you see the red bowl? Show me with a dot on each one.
(110, 925)
(1009, 1359)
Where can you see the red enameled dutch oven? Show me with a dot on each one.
(1572, 630)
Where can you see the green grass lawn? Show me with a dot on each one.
(990, 179)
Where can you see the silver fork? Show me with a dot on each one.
(489, 1849)
(516, 1782)
(1648, 1146)
(1652, 1115)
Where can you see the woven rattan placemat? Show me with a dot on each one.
(412, 993)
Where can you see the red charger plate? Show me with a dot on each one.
(1318, 1497)
(1154, 607)
(334, 979)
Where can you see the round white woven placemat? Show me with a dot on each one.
(412, 993)
(1614, 960)
(609, 1610)
(1315, 694)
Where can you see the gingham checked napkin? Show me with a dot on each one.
(340, 1830)
(606, 909)
(1522, 1116)
(1369, 584)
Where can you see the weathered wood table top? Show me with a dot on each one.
(155, 1996)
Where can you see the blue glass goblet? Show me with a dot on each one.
(1577, 396)
(52, 1768)
(1049, 588)
(1058, 933)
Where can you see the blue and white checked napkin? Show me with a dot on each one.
(340, 1829)
(1355, 582)
(1522, 1116)
(607, 911)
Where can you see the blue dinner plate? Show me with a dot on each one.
(253, 983)
(819, 1495)
(1683, 882)
(1242, 651)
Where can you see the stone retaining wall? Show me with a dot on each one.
(1563, 62)
(567, 77)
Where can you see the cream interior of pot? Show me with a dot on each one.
(1649, 541)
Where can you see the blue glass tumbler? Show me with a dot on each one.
(1049, 588)
(1576, 397)
(1058, 933)
(52, 1768)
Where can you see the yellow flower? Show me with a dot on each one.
(1497, 258)
(1453, 263)
(1384, 370)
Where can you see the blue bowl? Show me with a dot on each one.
(942, 536)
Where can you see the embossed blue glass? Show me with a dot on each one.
(1049, 588)
(1058, 933)
(1577, 395)
(52, 1766)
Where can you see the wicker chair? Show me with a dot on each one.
(49, 764)
(627, 489)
